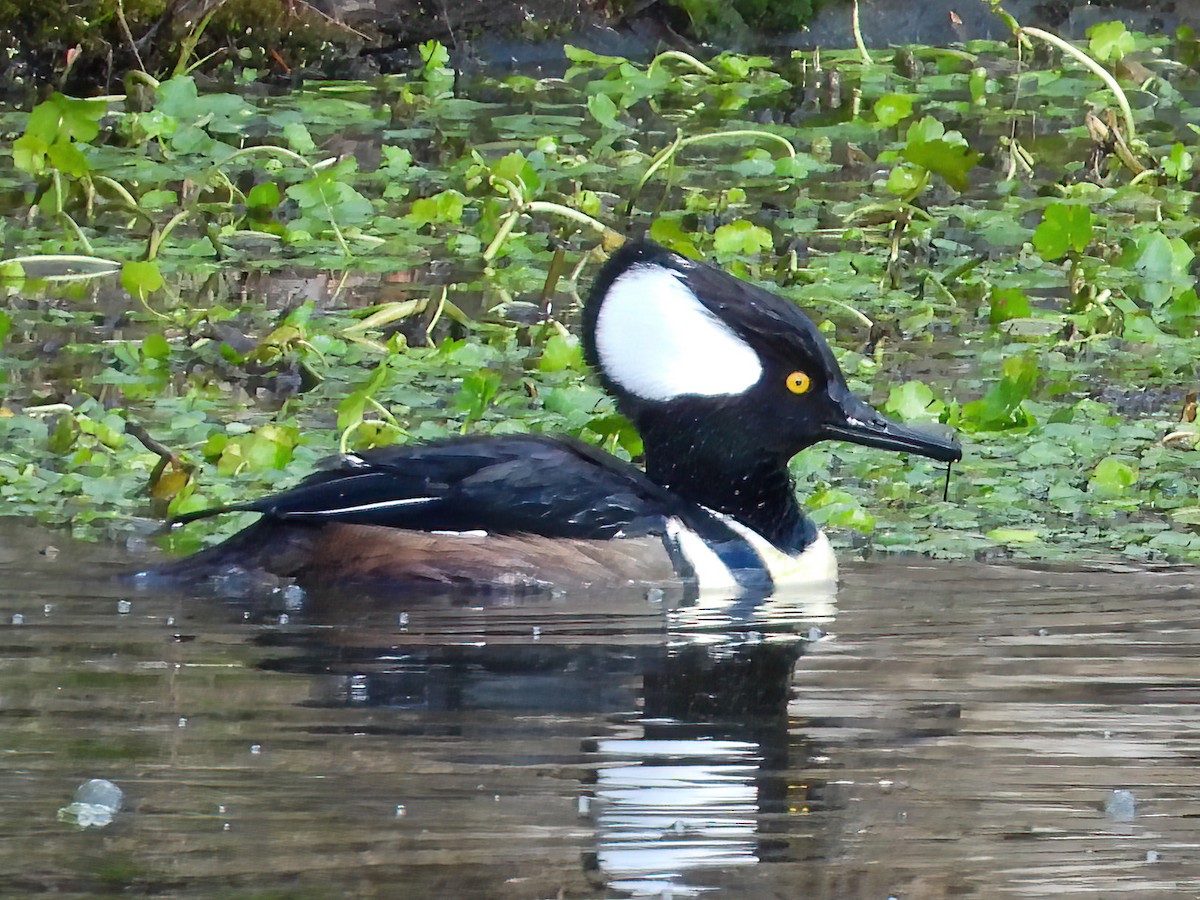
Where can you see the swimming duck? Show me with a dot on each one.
(725, 381)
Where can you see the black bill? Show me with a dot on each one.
(860, 424)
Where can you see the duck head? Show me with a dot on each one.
(692, 352)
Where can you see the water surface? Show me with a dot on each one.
(956, 730)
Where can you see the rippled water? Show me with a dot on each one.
(954, 731)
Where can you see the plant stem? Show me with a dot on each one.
(109, 265)
(188, 44)
(573, 214)
(79, 235)
(144, 77)
(682, 57)
(668, 153)
(121, 191)
(857, 313)
(506, 226)
(157, 238)
(858, 38)
(1090, 64)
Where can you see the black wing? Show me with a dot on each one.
(519, 484)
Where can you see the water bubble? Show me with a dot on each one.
(182, 723)
(256, 749)
(18, 619)
(1151, 856)
(402, 620)
(95, 804)
(401, 811)
(1121, 806)
(170, 620)
(124, 606)
(293, 597)
(655, 595)
(47, 608)
(284, 618)
(584, 805)
(537, 633)
(815, 633)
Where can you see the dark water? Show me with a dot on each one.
(958, 732)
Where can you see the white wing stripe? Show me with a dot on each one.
(363, 507)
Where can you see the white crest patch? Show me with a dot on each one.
(658, 341)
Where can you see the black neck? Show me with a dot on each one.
(747, 484)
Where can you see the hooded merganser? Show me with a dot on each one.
(725, 381)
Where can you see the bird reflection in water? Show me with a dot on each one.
(688, 773)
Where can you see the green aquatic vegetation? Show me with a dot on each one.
(206, 292)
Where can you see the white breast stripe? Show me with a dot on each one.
(816, 562)
(656, 340)
(711, 573)
(364, 507)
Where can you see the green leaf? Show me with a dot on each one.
(1113, 476)
(950, 160)
(925, 130)
(561, 352)
(397, 161)
(584, 59)
(604, 111)
(839, 509)
(1008, 303)
(158, 199)
(434, 54)
(1183, 312)
(62, 118)
(444, 207)
(516, 168)
(328, 198)
(213, 112)
(155, 346)
(298, 138)
(141, 278)
(912, 400)
(668, 231)
(1178, 164)
(892, 109)
(66, 432)
(5, 326)
(1109, 41)
(1162, 266)
(29, 154)
(1014, 535)
(477, 392)
(68, 159)
(264, 196)
(741, 238)
(905, 179)
(1002, 406)
(1064, 227)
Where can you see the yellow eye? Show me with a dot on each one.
(799, 383)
